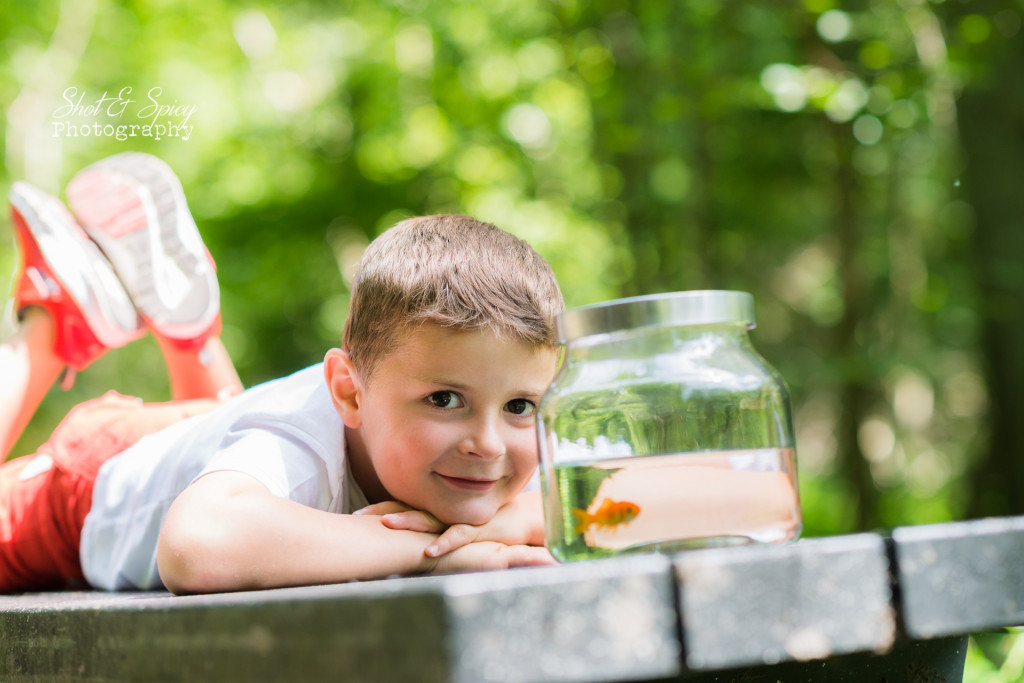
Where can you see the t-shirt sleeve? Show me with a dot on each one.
(286, 465)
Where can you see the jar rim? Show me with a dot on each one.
(695, 307)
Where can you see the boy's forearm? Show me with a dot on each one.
(249, 539)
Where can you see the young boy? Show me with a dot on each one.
(406, 451)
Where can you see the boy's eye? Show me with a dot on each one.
(444, 399)
(520, 406)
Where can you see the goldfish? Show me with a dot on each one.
(609, 514)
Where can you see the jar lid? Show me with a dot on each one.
(703, 307)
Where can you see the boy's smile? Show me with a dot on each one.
(446, 423)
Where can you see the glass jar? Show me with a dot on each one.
(664, 430)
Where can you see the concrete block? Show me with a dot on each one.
(928, 661)
(767, 604)
(611, 620)
(608, 620)
(371, 632)
(960, 577)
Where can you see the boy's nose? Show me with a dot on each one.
(484, 440)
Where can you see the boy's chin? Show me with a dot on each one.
(473, 517)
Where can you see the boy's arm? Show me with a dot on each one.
(227, 532)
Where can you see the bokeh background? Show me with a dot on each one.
(856, 165)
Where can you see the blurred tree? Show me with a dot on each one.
(991, 127)
(805, 152)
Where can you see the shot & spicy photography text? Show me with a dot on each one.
(122, 116)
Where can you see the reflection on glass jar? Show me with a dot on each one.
(665, 430)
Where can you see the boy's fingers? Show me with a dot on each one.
(387, 507)
(456, 536)
(413, 520)
(528, 556)
(490, 555)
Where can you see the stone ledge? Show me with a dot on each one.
(327, 631)
(592, 621)
(819, 605)
(809, 600)
(960, 577)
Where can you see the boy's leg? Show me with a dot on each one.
(45, 497)
(63, 272)
(200, 373)
(29, 367)
(133, 206)
(71, 307)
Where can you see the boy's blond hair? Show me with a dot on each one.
(453, 271)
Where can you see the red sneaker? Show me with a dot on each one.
(133, 206)
(64, 272)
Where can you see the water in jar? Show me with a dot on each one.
(670, 502)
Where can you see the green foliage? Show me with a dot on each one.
(803, 153)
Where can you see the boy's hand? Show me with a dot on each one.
(489, 555)
(395, 515)
(464, 547)
(519, 522)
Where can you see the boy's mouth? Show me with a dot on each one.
(467, 484)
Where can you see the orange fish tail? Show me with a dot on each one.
(583, 520)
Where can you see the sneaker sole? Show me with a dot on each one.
(134, 207)
(77, 265)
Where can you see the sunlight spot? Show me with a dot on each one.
(785, 83)
(867, 129)
(846, 101)
(964, 394)
(834, 25)
(903, 114)
(498, 75)
(285, 90)
(876, 439)
(815, 423)
(928, 472)
(255, 34)
(528, 125)
(538, 59)
(913, 400)
(809, 270)
(414, 49)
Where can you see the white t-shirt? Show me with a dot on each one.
(285, 433)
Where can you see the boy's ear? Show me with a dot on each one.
(343, 383)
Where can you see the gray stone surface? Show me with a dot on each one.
(613, 620)
(769, 604)
(960, 577)
(929, 661)
(372, 632)
(819, 609)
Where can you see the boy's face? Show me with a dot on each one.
(446, 424)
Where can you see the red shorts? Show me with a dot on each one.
(45, 497)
